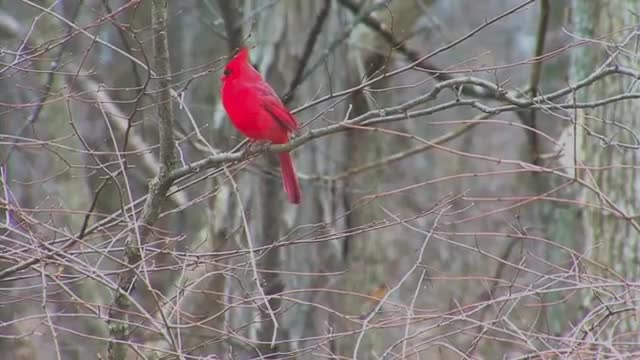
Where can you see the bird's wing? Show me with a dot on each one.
(280, 114)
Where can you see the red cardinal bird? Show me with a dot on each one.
(257, 112)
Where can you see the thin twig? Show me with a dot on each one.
(314, 33)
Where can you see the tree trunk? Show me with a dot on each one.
(607, 166)
(281, 36)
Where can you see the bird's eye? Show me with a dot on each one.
(227, 72)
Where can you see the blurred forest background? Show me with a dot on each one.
(470, 175)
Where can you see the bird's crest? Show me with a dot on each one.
(243, 55)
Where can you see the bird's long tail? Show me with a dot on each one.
(289, 178)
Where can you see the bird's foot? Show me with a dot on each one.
(257, 146)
